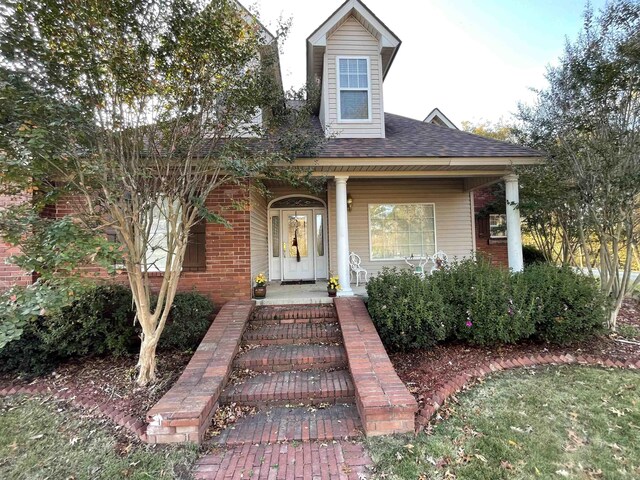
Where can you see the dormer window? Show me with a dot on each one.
(354, 88)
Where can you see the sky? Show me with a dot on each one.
(473, 59)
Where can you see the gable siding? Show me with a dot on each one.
(452, 206)
(352, 39)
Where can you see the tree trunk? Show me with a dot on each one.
(147, 360)
(612, 322)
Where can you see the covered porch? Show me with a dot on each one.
(383, 218)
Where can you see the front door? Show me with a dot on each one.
(297, 248)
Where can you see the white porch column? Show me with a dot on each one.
(514, 234)
(342, 231)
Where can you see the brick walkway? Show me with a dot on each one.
(288, 461)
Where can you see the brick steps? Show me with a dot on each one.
(286, 387)
(291, 314)
(279, 424)
(280, 358)
(294, 367)
(292, 333)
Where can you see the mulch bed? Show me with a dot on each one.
(111, 380)
(425, 371)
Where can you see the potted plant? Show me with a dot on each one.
(333, 285)
(260, 290)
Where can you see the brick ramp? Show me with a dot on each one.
(384, 403)
(183, 414)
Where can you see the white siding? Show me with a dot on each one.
(259, 234)
(352, 39)
(452, 206)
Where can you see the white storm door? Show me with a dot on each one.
(298, 253)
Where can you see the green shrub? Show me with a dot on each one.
(189, 320)
(477, 303)
(407, 311)
(100, 322)
(27, 355)
(569, 306)
(483, 303)
(531, 255)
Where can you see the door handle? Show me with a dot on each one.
(284, 249)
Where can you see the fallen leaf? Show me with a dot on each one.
(506, 465)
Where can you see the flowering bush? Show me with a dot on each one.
(477, 303)
(333, 283)
(485, 305)
(261, 280)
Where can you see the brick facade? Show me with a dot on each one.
(226, 274)
(493, 249)
(10, 275)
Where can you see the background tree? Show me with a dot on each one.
(500, 130)
(588, 120)
(160, 102)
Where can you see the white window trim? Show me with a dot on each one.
(353, 120)
(152, 266)
(435, 229)
(503, 234)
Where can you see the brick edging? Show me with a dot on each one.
(135, 425)
(463, 379)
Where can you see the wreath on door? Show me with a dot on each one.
(295, 243)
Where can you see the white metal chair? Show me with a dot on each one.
(418, 264)
(354, 265)
(440, 260)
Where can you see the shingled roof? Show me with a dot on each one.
(406, 137)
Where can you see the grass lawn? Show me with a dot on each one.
(555, 422)
(44, 439)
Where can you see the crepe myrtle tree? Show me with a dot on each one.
(588, 120)
(139, 110)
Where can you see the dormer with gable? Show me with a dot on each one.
(349, 56)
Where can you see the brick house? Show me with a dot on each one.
(396, 187)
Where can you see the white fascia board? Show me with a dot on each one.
(319, 38)
(420, 161)
(436, 113)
